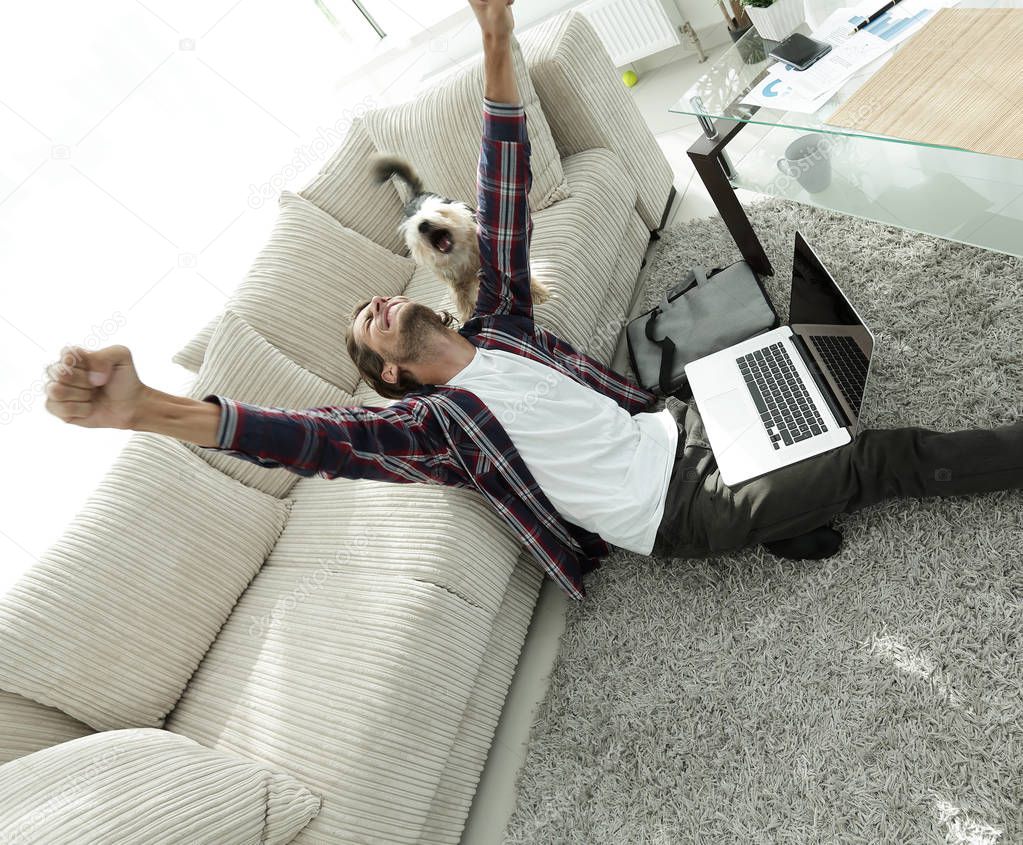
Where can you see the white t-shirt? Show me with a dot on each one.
(602, 468)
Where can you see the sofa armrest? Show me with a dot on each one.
(587, 106)
(143, 786)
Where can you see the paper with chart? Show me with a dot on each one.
(806, 91)
(775, 93)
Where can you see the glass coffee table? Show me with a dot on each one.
(952, 193)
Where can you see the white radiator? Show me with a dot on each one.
(631, 29)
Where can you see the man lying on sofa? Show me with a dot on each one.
(567, 452)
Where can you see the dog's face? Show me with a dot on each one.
(439, 231)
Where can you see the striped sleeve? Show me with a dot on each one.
(332, 442)
(504, 223)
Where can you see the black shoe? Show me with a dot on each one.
(818, 544)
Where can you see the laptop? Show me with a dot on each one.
(793, 392)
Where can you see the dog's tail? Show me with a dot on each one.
(385, 166)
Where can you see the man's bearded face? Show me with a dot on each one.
(396, 328)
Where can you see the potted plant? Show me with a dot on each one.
(775, 19)
(738, 24)
(736, 19)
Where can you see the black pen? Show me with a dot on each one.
(874, 16)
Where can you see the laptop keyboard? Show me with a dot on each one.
(847, 363)
(786, 410)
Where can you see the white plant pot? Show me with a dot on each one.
(778, 20)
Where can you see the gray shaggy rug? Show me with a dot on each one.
(876, 696)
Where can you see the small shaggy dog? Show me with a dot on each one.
(441, 233)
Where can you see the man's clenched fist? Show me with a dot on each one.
(94, 389)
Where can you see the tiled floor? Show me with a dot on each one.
(495, 798)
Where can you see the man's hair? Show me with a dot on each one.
(371, 366)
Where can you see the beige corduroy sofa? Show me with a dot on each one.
(219, 651)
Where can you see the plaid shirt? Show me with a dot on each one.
(444, 434)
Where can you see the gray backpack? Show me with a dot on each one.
(704, 313)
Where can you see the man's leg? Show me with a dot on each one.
(817, 544)
(878, 464)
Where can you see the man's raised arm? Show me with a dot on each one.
(101, 389)
(504, 224)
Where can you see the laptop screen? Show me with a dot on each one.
(822, 316)
(815, 296)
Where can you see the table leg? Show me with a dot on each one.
(710, 131)
(707, 155)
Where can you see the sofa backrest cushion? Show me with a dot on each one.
(300, 290)
(243, 365)
(190, 356)
(113, 620)
(439, 133)
(142, 786)
(346, 189)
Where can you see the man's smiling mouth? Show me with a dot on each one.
(387, 314)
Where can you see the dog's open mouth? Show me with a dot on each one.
(440, 240)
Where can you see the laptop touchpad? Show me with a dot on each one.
(728, 417)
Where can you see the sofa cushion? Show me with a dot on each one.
(190, 355)
(27, 726)
(576, 244)
(142, 786)
(621, 290)
(346, 189)
(368, 397)
(303, 285)
(351, 657)
(475, 736)
(241, 364)
(112, 621)
(439, 132)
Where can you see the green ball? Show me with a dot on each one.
(630, 78)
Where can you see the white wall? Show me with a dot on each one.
(136, 143)
(702, 14)
(395, 74)
(704, 17)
